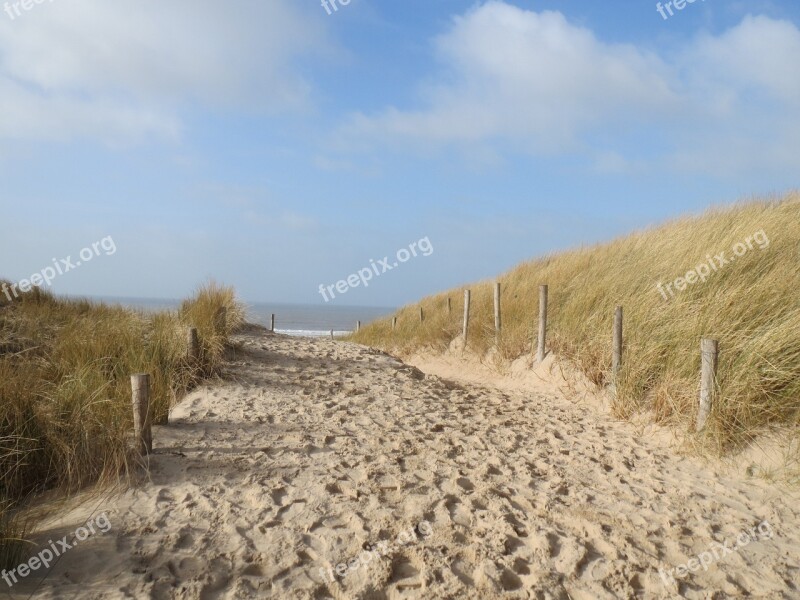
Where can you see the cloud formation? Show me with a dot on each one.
(123, 70)
(536, 81)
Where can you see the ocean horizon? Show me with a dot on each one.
(304, 320)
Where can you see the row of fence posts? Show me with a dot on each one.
(709, 348)
(709, 352)
(140, 387)
(140, 384)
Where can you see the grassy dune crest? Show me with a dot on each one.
(65, 408)
(751, 304)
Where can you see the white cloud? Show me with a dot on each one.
(28, 114)
(531, 77)
(744, 87)
(756, 57)
(125, 69)
(518, 79)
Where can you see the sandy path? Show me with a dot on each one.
(313, 450)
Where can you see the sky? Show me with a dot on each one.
(275, 147)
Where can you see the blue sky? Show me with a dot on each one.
(274, 147)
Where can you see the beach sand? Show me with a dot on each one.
(312, 453)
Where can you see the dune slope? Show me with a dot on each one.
(730, 274)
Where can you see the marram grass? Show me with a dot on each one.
(751, 305)
(65, 397)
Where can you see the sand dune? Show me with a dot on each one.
(315, 453)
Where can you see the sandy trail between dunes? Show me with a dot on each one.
(312, 450)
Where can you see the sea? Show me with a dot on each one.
(306, 320)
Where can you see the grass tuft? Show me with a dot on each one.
(65, 397)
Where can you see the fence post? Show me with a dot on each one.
(143, 436)
(449, 307)
(358, 326)
(709, 353)
(194, 345)
(541, 351)
(421, 315)
(466, 316)
(272, 323)
(394, 323)
(616, 355)
(497, 311)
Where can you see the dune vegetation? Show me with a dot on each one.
(65, 396)
(751, 304)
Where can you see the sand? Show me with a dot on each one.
(458, 483)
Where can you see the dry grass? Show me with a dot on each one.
(65, 366)
(752, 306)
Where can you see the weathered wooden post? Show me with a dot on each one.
(497, 311)
(616, 354)
(194, 345)
(449, 307)
(466, 315)
(421, 315)
(541, 352)
(394, 323)
(272, 323)
(358, 326)
(709, 359)
(143, 436)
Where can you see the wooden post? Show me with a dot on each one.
(449, 307)
(331, 333)
(394, 323)
(616, 353)
(421, 315)
(358, 326)
(143, 436)
(272, 323)
(466, 315)
(194, 345)
(541, 351)
(709, 353)
(497, 311)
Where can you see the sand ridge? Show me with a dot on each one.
(311, 453)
